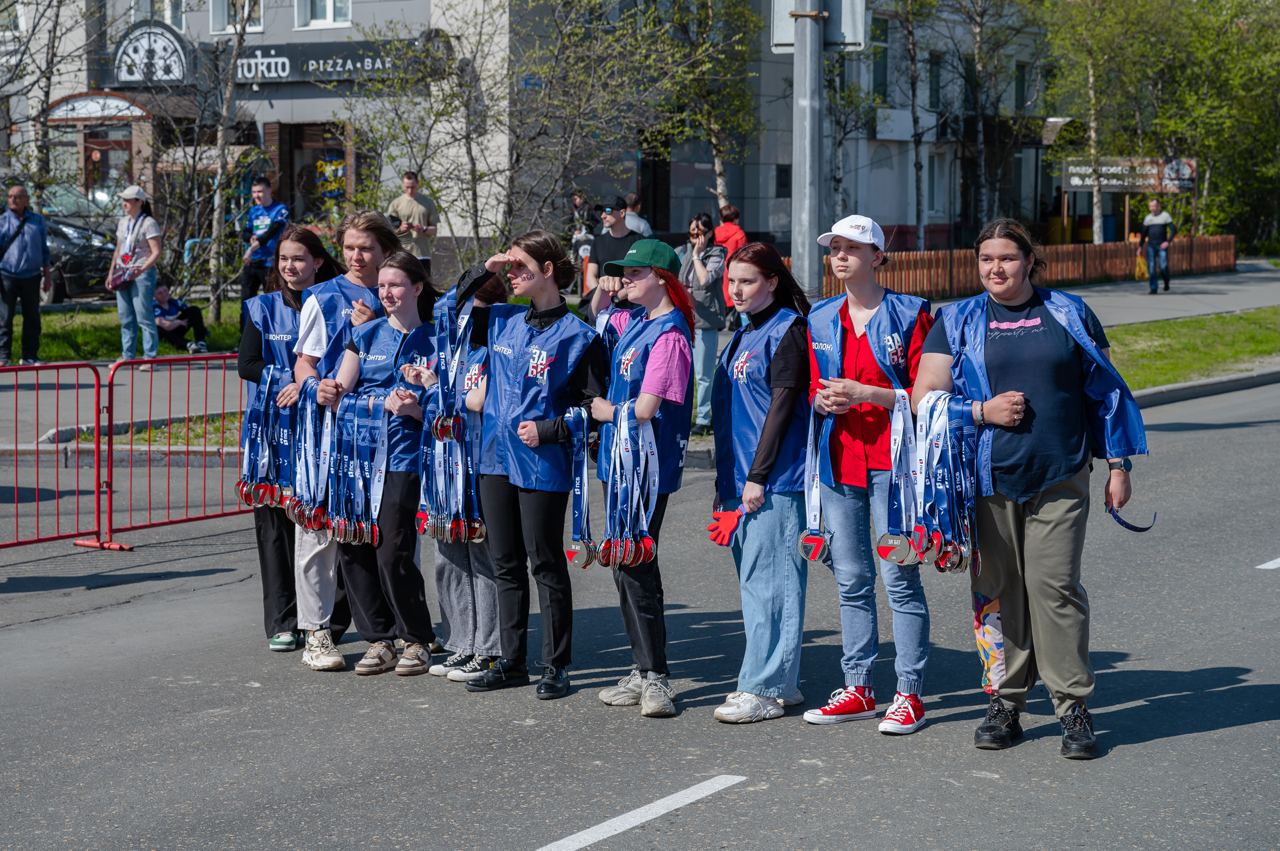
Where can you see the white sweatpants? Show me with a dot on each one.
(315, 573)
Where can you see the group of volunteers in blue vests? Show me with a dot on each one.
(380, 411)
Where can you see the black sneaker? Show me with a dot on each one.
(554, 683)
(1000, 729)
(502, 673)
(1078, 741)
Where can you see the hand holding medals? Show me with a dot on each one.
(631, 492)
(266, 467)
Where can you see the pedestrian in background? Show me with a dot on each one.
(133, 274)
(262, 228)
(731, 235)
(634, 221)
(612, 243)
(1158, 231)
(415, 219)
(24, 266)
(702, 265)
(174, 317)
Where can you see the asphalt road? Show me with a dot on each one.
(139, 706)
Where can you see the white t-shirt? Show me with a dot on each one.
(132, 238)
(313, 334)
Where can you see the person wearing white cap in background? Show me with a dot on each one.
(864, 344)
(137, 252)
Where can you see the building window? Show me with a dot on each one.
(935, 81)
(9, 16)
(172, 12)
(880, 58)
(321, 13)
(1020, 88)
(226, 15)
(782, 180)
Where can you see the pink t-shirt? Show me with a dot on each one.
(666, 374)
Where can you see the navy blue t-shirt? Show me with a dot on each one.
(1028, 350)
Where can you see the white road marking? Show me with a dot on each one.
(648, 812)
(1271, 565)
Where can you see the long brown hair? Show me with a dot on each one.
(545, 247)
(1017, 233)
(326, 267)
(767, 259)
(417, 274)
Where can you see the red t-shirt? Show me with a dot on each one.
(860, 436)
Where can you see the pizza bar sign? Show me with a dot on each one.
(300, 63)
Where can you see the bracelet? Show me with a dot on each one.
(978, 419)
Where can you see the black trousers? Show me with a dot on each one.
(252, 277)
(526, 534)
(177, 337)
(640, 599)
(274, 532)
(384, 587)
(28, 291)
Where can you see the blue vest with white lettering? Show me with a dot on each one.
(277, 323)
(740, 398)
(626, 375)
(383, 350)
(889, 332)
(1115, 421)
(480, 430)
(336, 298)
(529, 371)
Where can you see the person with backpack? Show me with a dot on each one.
(702, 265)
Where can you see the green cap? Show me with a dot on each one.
(646, 252)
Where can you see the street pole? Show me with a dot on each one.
(806, 146)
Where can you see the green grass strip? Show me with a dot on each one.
(1171, 351)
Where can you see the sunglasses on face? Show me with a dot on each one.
(606, 211)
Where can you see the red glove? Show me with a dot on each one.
(724, 526)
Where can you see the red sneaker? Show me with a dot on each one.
(906, 715)
(846, 704)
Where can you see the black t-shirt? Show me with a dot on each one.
(1028, 350)
(607, 248)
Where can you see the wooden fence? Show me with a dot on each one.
(953, 274)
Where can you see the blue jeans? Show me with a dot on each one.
(1156, 253)
(136, 304)
(705, 350)
(771, 577)
(848, 512)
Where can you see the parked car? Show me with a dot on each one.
(81, 243)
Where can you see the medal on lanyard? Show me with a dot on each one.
(476, 530)
(813, 543)
(647, 480)
(581, 551)
(895, 546)
(928, 443)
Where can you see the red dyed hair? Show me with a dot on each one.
(678, 294)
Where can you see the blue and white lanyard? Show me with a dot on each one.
(579, 422)
(902, 451)
(812, 478)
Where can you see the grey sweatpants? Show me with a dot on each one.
(468, 598)
(1031, 555)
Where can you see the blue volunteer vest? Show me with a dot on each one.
(889, 333)
(740, 397)
(1115, 422)
(383, 350)
(626, 375)
(529, 371)
(480, 430)
(277, 322)
(336, 299)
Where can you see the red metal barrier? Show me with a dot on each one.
(54, 452)
(172, 429)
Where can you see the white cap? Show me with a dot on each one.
(856, 228)
(133, 193)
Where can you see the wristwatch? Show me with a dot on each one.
(1123, 464)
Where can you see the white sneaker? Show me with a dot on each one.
(742, 707)
(320, 654)
(416, 659)
(379, 658)
(625, 693)
(442, 669)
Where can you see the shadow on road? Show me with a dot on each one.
(1178, 427)
(23, 494)
(92, 581)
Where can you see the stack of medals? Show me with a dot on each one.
(813, 542)
(582, 550)
(357, 469)
(266, 467)
(311, 458)
(931, 502)
(449, 507)
(631, 492)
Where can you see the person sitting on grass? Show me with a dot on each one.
(174, 316)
